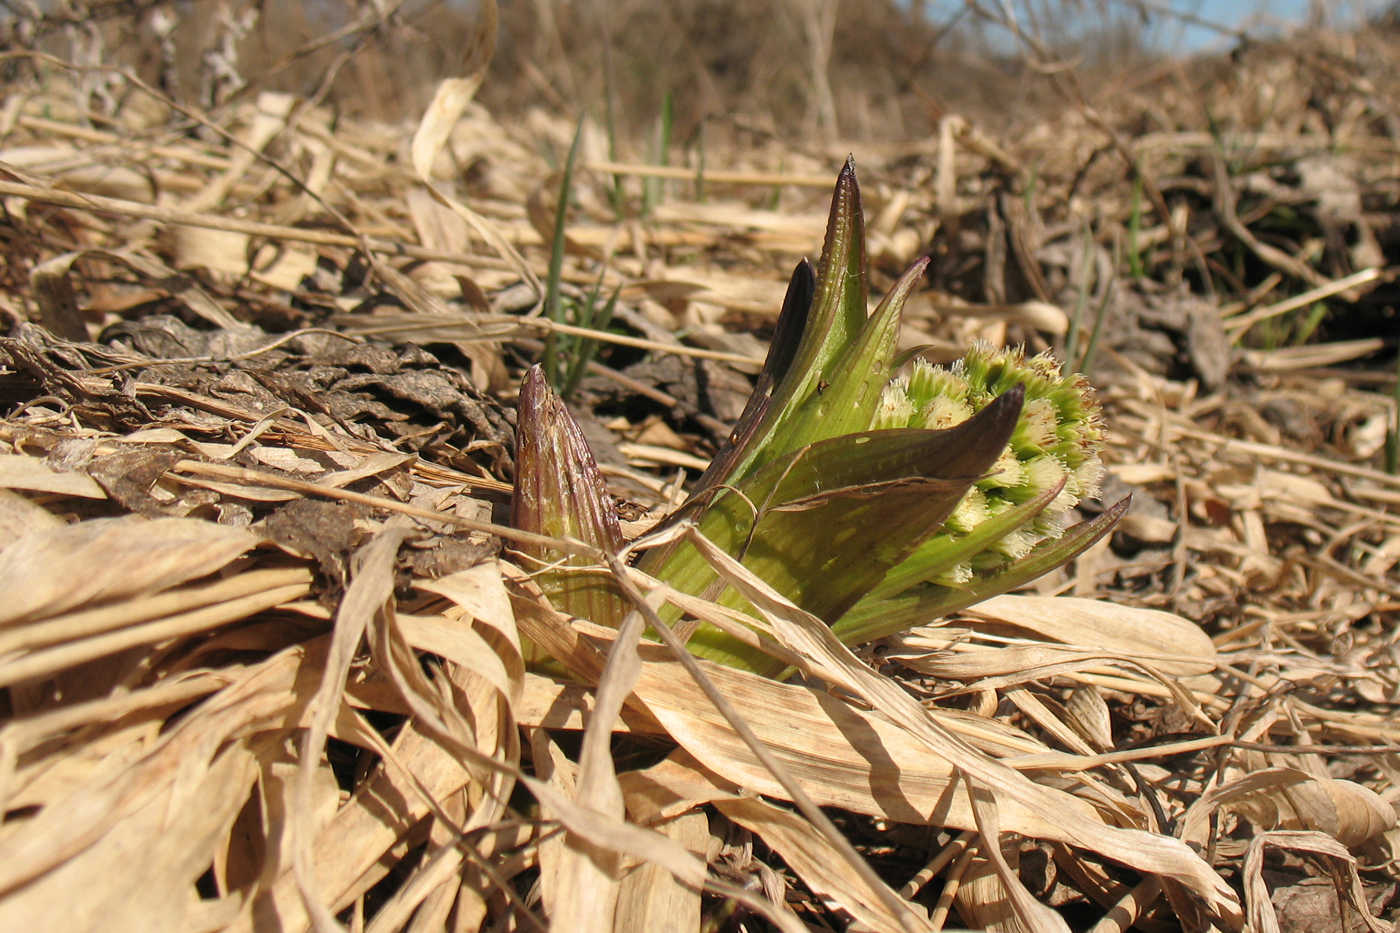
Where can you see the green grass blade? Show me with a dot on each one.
(653, 188)
(1392, 437)
(586, 348)
(553, 303)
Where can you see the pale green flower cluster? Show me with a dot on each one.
(1056, 444)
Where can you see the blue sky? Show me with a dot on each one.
(1260, 16)
(1178, 33)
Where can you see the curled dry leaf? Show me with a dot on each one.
(1288, 798)
(1163, 640)
(1316, 848)
(107, 559)
(21, 471)
(651, 899)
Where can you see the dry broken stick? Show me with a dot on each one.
(870, 499)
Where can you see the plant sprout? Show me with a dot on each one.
(873, 496)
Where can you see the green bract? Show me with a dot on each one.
(871, 498)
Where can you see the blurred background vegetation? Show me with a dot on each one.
(1081, 109)
(871, 69)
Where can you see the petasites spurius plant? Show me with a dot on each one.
(873, 496)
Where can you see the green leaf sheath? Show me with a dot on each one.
(559, 492)
(872, 619)
(792, 322)
(835, 318)
(824, 524)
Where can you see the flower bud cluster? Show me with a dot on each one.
(1056, 443)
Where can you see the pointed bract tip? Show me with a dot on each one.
(847, 187)
(845, 235)
(534, 379)
(991, 427)
(905, 286)
(534, 399)
(1010, 402)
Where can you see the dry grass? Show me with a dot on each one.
(266, 657)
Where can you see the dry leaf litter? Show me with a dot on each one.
(261, 648)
